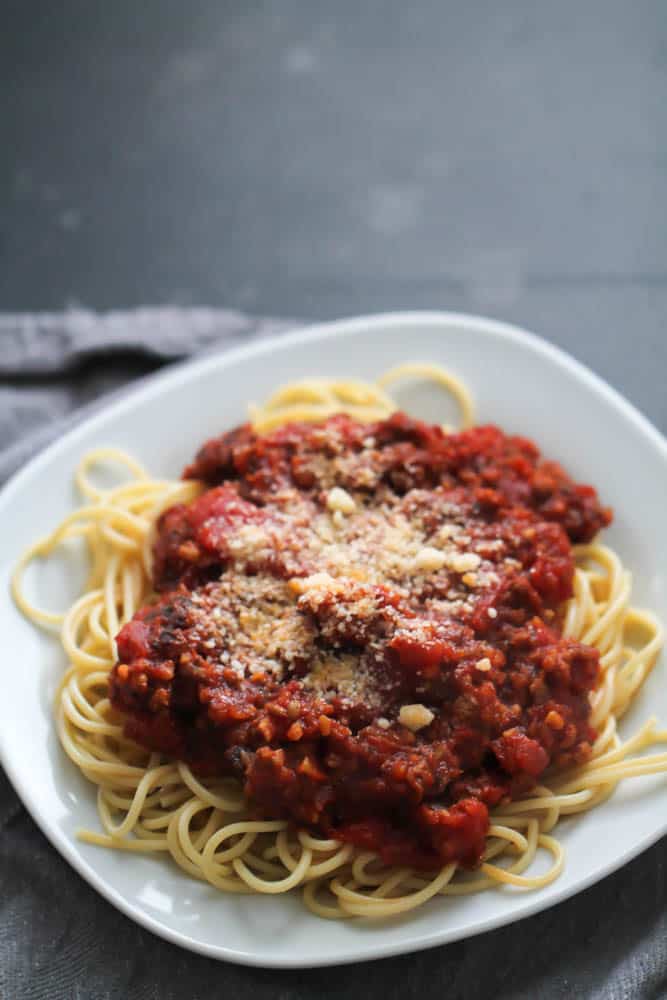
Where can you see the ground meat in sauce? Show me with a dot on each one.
(361, 622)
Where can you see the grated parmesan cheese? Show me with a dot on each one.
(345, 676)
(307, 556)
(318, 581)
(464, 561)
(340, 500)
(415, 717)
(429, 560)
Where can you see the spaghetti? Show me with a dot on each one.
(150, 803)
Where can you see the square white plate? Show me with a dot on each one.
(520, 383)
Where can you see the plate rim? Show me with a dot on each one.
(187, 370)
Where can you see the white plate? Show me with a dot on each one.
(519, 382)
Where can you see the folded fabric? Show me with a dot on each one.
(55, 343)
(55, 367)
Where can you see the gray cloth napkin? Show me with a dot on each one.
(60, 940)
(56, 366)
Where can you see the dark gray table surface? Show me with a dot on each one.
(317, 159)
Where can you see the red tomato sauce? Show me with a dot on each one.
(362, 623)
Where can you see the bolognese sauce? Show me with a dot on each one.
(362, 623)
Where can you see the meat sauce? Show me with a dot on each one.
(362, 623)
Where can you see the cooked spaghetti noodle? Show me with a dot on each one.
(149, 803)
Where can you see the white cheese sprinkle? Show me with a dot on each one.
(415, 717)
(464, 561)
(428, 560)
(340, 500)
